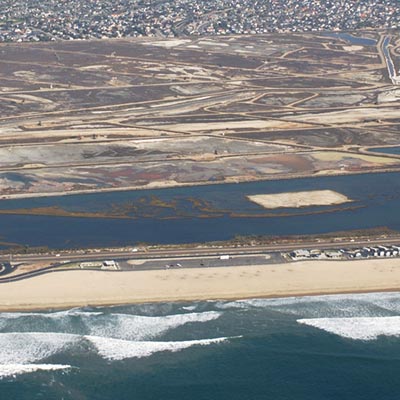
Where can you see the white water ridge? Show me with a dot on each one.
(358, 328)
(137, 327)
(326, 306)
(113, 325)
(29, 347)
(12, 370)
(116, 349)
(26, 348)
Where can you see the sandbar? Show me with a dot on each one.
(94, 288)
(299, 199)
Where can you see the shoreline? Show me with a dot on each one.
(65, 290)
(68, 306)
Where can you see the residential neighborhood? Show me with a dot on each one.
(22, 20)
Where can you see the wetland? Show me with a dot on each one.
(196, 214)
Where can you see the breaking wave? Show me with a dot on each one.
(28, 347)
(332, 306)
(29, 340)
(74, 312)
(361, 328)
(114, 325)
(19, 351)
(12, 370)
(136, 327)
(116, 349)
(189, 308)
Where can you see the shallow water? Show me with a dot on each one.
(357, 40)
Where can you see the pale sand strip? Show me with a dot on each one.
(79, 288)
(299, 199)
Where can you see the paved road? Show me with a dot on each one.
(162, 263)
(203, 251)
(201, 262)
(187, 258)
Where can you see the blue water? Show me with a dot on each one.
(352, 39)
(376, 204)
(387, 150)
(254, 349)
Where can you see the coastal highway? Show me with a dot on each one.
(194, 257)
(199, 251)
(151, 264)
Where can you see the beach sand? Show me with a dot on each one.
(82, 288)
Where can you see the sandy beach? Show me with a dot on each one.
(82, 288)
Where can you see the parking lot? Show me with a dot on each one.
(201, 262)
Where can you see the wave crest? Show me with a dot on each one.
(361, 328)
(12, 370)
(136, 327)
(27, 348)
(116, 349)
(114, 325)
(330, 306)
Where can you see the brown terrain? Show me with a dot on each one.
(123, 114)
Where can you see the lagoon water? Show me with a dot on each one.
(376, 204)
(356, 40)
(387, 150)
(325, 347)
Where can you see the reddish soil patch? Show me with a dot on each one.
(297, 163)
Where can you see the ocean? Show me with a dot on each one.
(324, 347)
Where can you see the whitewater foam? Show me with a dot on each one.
(348, 305)
(52, 315)
(29, 347)
(137, 327)
(189, 308)
(114, 325)
(12, 370)
(361, 328)
(116, 349)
